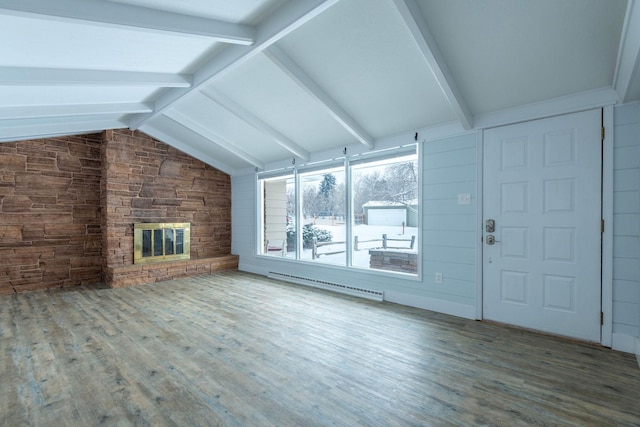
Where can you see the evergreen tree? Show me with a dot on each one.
(327, 186)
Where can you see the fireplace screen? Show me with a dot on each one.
(155, 242)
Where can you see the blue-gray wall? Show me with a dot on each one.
(450, 232)
(626, 221)
(448, 238)
(449, 229)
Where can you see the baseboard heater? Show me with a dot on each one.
(323, 284)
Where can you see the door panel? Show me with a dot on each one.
(542, 183)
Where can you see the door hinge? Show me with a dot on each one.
(601, 318)
(602, 133)
(602, 225)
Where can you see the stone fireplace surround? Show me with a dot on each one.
(68, 205)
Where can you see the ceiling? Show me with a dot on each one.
(257, 83)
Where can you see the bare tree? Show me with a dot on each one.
(402, 181)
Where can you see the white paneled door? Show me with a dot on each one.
(542, 232)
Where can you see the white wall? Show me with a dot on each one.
(448, 236)
(626, 227)
(275, 221)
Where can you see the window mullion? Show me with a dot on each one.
(298, 224)
(348, 213)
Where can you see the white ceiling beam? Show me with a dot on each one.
(185, 147)
(415, 22)
(48, 111)
(216, 139)
(282, 22)
(582, 101)
(300, 77)
(26, 76)
(118, 15)
(628, 52)
(19, 130)
(249, 118)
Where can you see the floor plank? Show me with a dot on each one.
(236, 349)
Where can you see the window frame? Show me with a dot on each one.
(345, 162)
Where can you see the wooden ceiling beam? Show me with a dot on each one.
(190, 149)
(282, 22)
(70, 111)
(20, 130)
(26, 76)
(302, 79)
(253, 121)
(203, 131)
(415, 22)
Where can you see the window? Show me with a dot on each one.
(385, 213)
(360, 212)
(324, 216)
(278, 216)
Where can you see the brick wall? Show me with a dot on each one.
(50, 213)
(145, 180)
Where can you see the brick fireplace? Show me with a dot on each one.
(68, 205)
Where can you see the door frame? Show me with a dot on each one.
(606, 201)
(606, 330)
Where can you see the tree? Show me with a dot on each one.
(311, 202)
(291, 200)
(327, 186)
(365, 188)
(402, 181)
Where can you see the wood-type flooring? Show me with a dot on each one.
(236, 349)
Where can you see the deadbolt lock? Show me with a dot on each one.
(490, 226)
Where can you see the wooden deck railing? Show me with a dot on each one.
(356, 242)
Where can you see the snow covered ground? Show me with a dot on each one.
(364, 233)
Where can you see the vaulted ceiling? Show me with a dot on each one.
(248, 84)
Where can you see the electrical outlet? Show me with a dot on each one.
(438, 277)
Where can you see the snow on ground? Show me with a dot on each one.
(364, 233)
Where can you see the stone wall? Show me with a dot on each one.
(137, 274)
(394, 260)
(50, 213)
(68, 204)
(145, 180)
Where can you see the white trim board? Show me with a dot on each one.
(607, 237)
(480, 222)
(467, 311)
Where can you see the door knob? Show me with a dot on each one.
(491, 239)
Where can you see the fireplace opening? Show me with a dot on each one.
(157, 242)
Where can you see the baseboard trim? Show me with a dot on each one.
(252, 268)
(431, 304)
(411, 300)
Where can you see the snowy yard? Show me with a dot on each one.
(364, 233)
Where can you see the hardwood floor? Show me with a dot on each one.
(241, 350)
